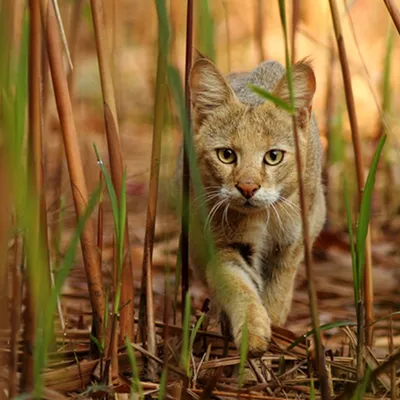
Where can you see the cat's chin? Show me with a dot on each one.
(248, 208)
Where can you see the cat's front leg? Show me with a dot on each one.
(236, 288)
(278, 289)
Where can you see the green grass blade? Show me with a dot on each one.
(385, 317)
(111, 193)
(386, 86)
(365, 209)
(356, 282)
(363, 385)
(244, 346)
(325, 327)
(136, 386)
(163, 27)
(336, 140)
(271, 97)
(177, 94)
(21, 93)
(312, 388)
(122, 222)
(194, 332)
(96, 341)
(205, 29)
(185, 351)
(163, 385)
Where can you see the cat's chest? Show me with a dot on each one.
(269, 243)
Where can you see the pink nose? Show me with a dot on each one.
(247, 189)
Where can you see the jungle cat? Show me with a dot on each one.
(246, 157)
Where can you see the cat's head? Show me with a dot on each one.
(246, 154)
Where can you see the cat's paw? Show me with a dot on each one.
(258, 332)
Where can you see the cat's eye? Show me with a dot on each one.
(273, 157)
(227, 156)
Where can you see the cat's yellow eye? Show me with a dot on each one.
(227, 156)
(273, 157)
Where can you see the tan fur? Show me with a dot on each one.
(258, 244)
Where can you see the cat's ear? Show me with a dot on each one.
(304, 86)
(208, 89)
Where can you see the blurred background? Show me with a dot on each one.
(237, 35)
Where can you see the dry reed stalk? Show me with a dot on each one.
(146, 295)
(74, 28)
(116, 163)
(228, 34)
(329, 113)
(295, 22)
(28, 335)
(17, 17)
(368, 286)
(393, 383)
(100, 220)
(114, 332)
(167, 305)
(8, 318)
(32, 279)
(186, 170)
(16, 306)
(5, 212)
(259, 27)
(35, 145)
(308, 261)
(75, 166)
(394, 13)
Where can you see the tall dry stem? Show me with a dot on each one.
(74, 29)
(16, 306)
(116, 164)
(295, 22)
(35, 186)
(308, 261)
(259, 27)
(329, 111)
(394, 13)
(186, 171)
(368, 286)
(146, 296)
(8, 318)
(74, 161)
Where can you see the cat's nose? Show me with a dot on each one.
(247, 189)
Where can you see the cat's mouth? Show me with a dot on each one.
(248, 207)
(248, 204)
